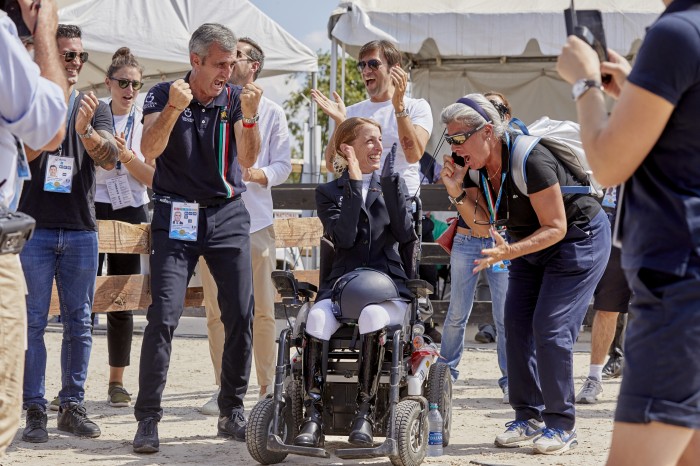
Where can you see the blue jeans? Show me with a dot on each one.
(69, 256)
(465, 250)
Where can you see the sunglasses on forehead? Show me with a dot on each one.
(460, 138)
(70, 56)
(373, 64)
(124, 83)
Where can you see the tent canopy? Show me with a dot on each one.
(456, 47)
(158, 33)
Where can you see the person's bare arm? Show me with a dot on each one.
(413, 138)
(100, 146)
(158, 126)
(615, 146)
(549, 207)
(248, 139)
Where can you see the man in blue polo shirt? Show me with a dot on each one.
(650, 143)
(199, 130)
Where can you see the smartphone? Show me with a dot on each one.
(458, 159)
(13, 10)
(588, 26)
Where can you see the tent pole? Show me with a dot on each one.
(342, 74)
(333, 87)
(313, 129)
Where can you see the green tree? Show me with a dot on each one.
(296, 106)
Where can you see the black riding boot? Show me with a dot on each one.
(368, 383)
(311, 432)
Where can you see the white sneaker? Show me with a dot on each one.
(555, 441)
(506, 395)
(211, 407)
(588, 394)
(519, 433)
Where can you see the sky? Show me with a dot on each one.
(307, 21)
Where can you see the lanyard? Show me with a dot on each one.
(128, 134)
(493, 207)
(224, 141)
(71, 103)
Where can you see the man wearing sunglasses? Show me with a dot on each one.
(405, 121)
(64, 247)
(33, 111)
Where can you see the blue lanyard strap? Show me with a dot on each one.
(71, 104)
(493, 207)
(128, 135)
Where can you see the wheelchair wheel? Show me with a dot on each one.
(296, 392)
(440, 392)
(259, 428)
(412, 434)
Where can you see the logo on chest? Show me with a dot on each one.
(187, 115)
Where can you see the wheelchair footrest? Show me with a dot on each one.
(274, 443)
(388, 448)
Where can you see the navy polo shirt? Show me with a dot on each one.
(193, 167)
(661, 201)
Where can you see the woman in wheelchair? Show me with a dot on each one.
(366, 217)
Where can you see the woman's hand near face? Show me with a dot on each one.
(354, 171)
(452, 176)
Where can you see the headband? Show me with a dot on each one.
(474, 106)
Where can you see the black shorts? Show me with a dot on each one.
(612, 293)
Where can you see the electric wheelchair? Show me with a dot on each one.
(410, 378)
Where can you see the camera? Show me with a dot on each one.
(13, 10)
(16, 229)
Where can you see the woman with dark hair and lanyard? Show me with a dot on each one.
(558, 245)
(121, 195)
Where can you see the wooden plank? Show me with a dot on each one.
(125, 293)
(121, 237)
(298, 232)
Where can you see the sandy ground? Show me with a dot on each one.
(188, 437)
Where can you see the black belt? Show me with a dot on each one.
(203, 204)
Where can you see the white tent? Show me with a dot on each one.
(455, 47)
(158, 32)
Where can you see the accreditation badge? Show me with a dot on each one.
(184, 218)
(119, 192)
(59, 174)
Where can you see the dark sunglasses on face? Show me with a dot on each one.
(373, 64)
(124, 83)
(70, 56)
(460, 138)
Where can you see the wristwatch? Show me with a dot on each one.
(251, 121)
(459, 200)
(87, 134)
(581, 87)
(402, 113)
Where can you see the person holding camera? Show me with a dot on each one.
(33, 113)
(649, 143)
(558, 245)
(64, 248)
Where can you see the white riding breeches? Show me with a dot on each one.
(321, 323)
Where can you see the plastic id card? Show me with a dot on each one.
(184, 218)
(119, 192)
(59, 174)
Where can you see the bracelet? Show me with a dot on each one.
(129, 161)
(178, 109)
(249, 125)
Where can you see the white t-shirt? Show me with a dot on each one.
(383, 113)
(274, 158)
(138, 190)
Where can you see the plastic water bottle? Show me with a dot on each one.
(434, 431)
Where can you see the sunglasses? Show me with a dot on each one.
(70, 56)
(460, 138)
(373, 64)
(124, 83)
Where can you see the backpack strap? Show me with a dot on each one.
(518, 125)
(522, 146)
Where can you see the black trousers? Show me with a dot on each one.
(223, 240)
(120, 325)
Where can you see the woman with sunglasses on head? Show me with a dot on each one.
(558, 245)
(121, 195)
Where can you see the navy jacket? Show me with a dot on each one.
(365, 234)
